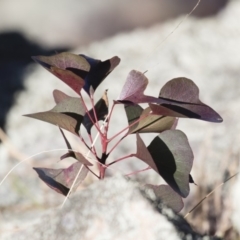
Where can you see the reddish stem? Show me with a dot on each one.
(102, 169)
(94, 110)
(92, 172)
(120, 159)
(108, 118)
(93, 149)
(133, 173)
(86, 109)
(117, 143)
(138, 120)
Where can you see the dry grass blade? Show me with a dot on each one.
(169, 35)
(210, 194)
(14, 152)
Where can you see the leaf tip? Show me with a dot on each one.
(43, 64)
(115, 61)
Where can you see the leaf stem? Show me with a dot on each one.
(117, 143)
(102, 169)
(108, 118)
(92, 149)
(133, 173)
(130, 125)
(120, 159)
(94, 110)
(89, 115)
(92, 172)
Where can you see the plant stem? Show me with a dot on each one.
(120, 159)
(108, 118)
(94, 110)
(92, 149)
(92, 172)
(133, 173)
(102, 169)
(83, 141)
(89, 115)
(117, 143)
(138, 120)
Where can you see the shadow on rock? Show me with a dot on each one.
(15, 56)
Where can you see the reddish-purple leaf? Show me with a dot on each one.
(58, 65)
(150, 123)
(67, 114)
(78, 71)
(77, 155)
(178, 98)
(101, 108)
(61, 180)
(167, 196)
(98, 71)
(59, 96)
(133, 89)
(170, 155)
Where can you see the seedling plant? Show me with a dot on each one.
(169, 153)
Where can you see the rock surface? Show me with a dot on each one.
(74, 23)
(112, 209)
(205, 51)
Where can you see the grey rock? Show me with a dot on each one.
(111, 209)
(205, 51)
(74, 23)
